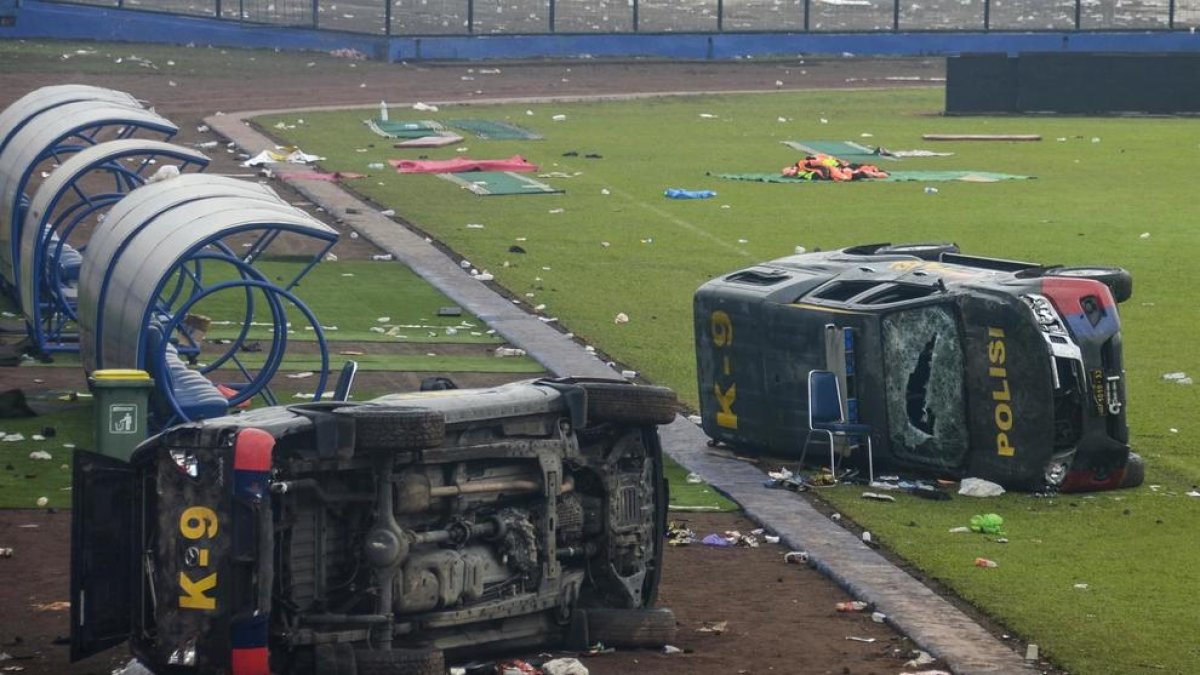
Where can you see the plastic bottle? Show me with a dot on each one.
(852, 606)
(383, 111)
(984, 562)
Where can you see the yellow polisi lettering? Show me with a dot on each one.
(193, 592)
(1002, 415)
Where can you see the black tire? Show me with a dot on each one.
(1135, 471)
(630, 628)
(401, 662)
(629, 403)
(1118, 280)
(378, 427)
(924, 251)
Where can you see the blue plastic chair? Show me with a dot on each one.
(826, 416)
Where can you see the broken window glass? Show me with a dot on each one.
(923, 382)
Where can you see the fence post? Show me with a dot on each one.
(1078, 12)
(316, 7)
(720, 15)
(807, 6)
(470, 17)
(635, 16)
(551, 16)
(1171, 15)
(217, 8)
(387, 17)
(895, 16)
(987, 15)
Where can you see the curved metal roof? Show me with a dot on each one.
(140, 209)
(154, 252)
(41, 138)
(37, 101)
(62, 184)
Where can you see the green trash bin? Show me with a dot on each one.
(122, 398)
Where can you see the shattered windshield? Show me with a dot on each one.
(923, 379)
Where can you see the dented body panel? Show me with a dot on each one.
(961, 365)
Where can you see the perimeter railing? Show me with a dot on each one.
(536, 17)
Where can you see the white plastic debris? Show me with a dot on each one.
(866, 537)
(484, 276)
(564, 667)
(13, 438)
(629, 374)
(388, 212)
(922, 659)
(165, 172)
(671, 649)
(1080, 587)
(878, 617)
(961, 529)
(300, 375)
(40, 454)
(425, 107)
(694, 479)
(621, 317)
(796, 557)
(502, 352)
(1144, 235)
(1174, 376)
(383, 256)
(559, 118)
(978, 487)
(42, 502)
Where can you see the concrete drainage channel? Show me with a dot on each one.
(930, 621)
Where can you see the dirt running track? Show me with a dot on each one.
(781, 618)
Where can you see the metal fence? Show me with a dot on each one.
(530, 17)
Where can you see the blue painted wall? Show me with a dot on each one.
(50, 20)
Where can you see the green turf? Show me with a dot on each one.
(417, 363)
(1108, 191)
(694, 496)
(24, 480)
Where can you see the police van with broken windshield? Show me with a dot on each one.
(951, 365)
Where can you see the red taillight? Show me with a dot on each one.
(1083, 480)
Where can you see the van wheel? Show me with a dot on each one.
(631, 627)
(629, 403)
(1135, 471)
(926, 251)
(379, 427)
(1118, 280)
(401, 662)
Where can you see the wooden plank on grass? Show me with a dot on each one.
(981, 137)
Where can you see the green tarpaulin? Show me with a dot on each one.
(489, 183)
(495, 131)
(402, 129)
(847, 150)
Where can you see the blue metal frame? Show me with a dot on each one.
(52, 311)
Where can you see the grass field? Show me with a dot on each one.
(1108, 191)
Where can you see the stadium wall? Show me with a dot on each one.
(80, 22)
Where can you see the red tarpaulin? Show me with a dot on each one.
(462, 164)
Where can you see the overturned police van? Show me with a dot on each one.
(954, 365)
(343, 538)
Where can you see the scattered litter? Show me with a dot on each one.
(715, 540)
(1031, 652)
(878, 617)
(694, 478)
(516, 667)
(988, 523)
(922, 659)
(860, 639)
(42, 502)
(40, 454)
(1193, 492)
(383, 256)
(502, 352)
(984, 562)
(14, 438)
(960, 530)
(978, 487)
(425, 107)
(708, 116)
(852, 606)
(629, 374)
(1144, 235)
(878, 497)
(671, 649)
(679, 534)
(1080, 587)
(930, 190)
(1179, 377)
(564, 667)
(388, 212)
(796, 557)
(680, 193)
(5, 553)
(866, 537)
(621, 317)
(714, 627)
(300, 375)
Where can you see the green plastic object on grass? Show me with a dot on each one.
(988, 523)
